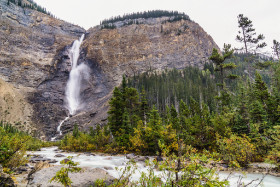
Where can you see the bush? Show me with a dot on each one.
(236, 151)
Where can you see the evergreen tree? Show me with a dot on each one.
(116, 111)
(154, 134)
(276, 49)
(242, 120)
(220, 62)
(222, 66)
(247, 34)
(143, 105)
(76, 131)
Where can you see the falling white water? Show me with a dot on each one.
(58, 128)
(73, 86)
(78, 72)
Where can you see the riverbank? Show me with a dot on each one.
(105, 164)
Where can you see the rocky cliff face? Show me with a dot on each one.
(34, 63)
(30, 45)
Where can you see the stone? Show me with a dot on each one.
(34, 63)
(59, 155)
(86, 177)
(130, 156)
(6, 180)
(38, 159)
(159, 158)
(108, 168)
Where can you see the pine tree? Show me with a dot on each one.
(247, 34)
(220, 62)
(276, 49)
(221, 66)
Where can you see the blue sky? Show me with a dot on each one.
(217, 17)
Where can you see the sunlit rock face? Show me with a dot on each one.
(35, 63)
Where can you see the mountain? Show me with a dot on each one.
(35, 66)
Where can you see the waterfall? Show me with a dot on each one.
(73, 88)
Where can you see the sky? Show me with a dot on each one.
(217, 17)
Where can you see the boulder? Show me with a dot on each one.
(59, 155)
(85, 178)
(159, 158)
(108, 168)
(5, 179)
(130, 156)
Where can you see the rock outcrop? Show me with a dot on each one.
(30, 43)
(35, 66)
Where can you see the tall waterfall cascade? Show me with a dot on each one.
(73, 100)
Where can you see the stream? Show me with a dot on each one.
(109, 163)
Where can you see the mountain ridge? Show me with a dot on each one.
(34, 60)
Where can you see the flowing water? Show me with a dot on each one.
(73, 88)
(101, 161)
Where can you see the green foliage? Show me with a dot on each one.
(31, 5)
(62, 175)
(97, 139)
(247, 35)
(146, 14)
(13, 145)
(276, 49)
(236, 151)
(136, 125)
(171, 86)
(192, 168)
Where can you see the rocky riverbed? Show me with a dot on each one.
(44, 164)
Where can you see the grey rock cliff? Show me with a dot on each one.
(34, 64)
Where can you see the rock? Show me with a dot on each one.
(141, 158)
(52, 161)
(6, 180)
(130, 156)
(89, 154)
(40, 165)
(85, 178)
(159, 158)
(108, 158)
(59, 155)
(22, 169)
(34, 63)
(108, 168)
(39, 159)
(224, 165)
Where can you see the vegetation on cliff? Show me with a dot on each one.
(146, 15)
(29, 4)
(133, 18)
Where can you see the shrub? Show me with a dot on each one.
(236, 151)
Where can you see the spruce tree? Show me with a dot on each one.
(116, 110)
(247, 35)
